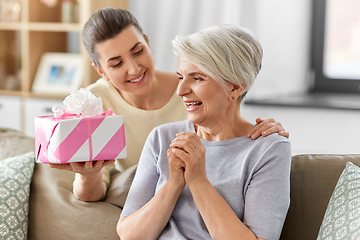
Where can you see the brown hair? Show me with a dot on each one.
(105, 24)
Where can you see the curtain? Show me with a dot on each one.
(281, 26)
(162, 20)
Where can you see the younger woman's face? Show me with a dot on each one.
(126, 61)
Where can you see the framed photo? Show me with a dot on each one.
(59, 73)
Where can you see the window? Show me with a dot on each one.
(336, 46)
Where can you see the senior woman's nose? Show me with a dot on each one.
(183, 87)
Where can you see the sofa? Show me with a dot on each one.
(54, 212)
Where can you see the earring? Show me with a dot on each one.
(232, 98)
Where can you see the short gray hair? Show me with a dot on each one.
(227, 53)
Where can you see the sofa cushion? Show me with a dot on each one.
(312, 181)
(342, 216)
(55, 213)
(15, 177)
(14, 143)
(119, 187)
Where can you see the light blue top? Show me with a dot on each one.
(253, 176)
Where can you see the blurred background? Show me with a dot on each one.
(319, 120)
(309, 80)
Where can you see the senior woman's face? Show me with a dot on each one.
(206, 101)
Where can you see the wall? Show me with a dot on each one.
(162, 20)
(283, 29)
(314, 130)
(281, 26)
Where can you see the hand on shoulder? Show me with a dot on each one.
(265, 127)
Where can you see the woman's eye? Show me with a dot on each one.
(138, 52)
(180, 78)
(116, 65)
(197, 79)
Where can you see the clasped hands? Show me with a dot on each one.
(186, 157)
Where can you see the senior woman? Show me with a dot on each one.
(203, 178)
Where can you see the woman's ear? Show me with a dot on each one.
(236, 91)
(100, 72)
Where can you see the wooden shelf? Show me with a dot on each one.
(23, 43)
(44, 96)
(15, 93)
(41, 26)
(39, 31)
(54, 27)
(15, 26)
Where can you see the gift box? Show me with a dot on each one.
(79, 135)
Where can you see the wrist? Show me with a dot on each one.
(174, 186)
(90, 178)
(89, 188)
(199, 183)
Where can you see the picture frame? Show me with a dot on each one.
(59, 73)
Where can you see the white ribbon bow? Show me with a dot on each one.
(81, 102)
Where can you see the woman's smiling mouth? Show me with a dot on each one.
(190, 106)
(136, 80)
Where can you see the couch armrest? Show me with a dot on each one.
(14, 143)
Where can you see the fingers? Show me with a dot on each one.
(284, 134)
(255, 131)
(84, 168)
(174, 161)
(88, 165)
(263, 129)
(108, 162)
(190, 136)
(266, 127)
(180, 153)
(269, 129)
(187, 142)
(81, 167)
(61, 166)
(189, 149)
(259, 120)
(176, 169)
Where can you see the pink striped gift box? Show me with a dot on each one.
(79, 139)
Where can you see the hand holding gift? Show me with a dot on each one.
(80, 138)
(79, 132)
